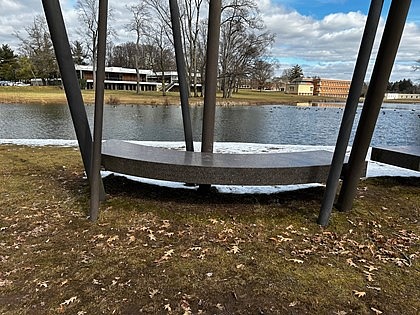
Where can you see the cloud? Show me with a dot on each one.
(325, 46)
(328, 47)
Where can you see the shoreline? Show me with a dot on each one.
(56, 96)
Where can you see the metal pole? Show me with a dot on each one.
(384, 62)
(65, 62)
(356, 86)
(211, 76)
(99, 110)
(182, 74)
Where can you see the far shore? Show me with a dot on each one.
(46, 95)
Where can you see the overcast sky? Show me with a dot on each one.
(322, 36)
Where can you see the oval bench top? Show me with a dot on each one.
(216, 168)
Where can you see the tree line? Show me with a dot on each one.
(244, 43)
(403, 86)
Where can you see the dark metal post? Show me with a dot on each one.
(99, 110)
(356, 86)
(211, 76)
(64, 57)
(384, 62)
(182, 74)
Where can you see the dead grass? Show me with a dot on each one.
(166, 251)
(55, 95)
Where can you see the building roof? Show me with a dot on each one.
(115, 70)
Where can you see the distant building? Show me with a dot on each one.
(301, 86)
(331, 88)
(402, 96)
(117, 78)
(319, 87)
(171, 80)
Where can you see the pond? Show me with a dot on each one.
(398, 124)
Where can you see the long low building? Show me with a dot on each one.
(402, 96)
(117, 78)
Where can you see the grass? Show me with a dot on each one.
(56, 95)
(166, 251)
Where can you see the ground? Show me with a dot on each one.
(166, 251)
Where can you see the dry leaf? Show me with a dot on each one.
(368, 276)
(4, 283)
(70, 300)
(186, 307)
(295, 260)
(220, 306)
(165, 224)
(153, 292)
(294, 303)
(235, 249)
(169, 252)
(112, 238)
(359, 293)
(370, 267)
(374, 288)
(351, 263)
(151, 237)
(284, 239)
(131, 239)
(378, 312)
(167, 308)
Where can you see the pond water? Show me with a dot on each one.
(398, 124)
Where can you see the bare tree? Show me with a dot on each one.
(37, 46)
(88, 15)
(163, 59)
(191, 21)
(262, 72)
(138, 24)
(123, 55)
(191, 24)
(242, 42)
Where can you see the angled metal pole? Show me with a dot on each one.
(65, 62)
(182, 74)
(99, 110)
(350, 110)
(211, 75)
(384, 62)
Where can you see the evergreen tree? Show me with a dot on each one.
(293, 73)
(8, 63)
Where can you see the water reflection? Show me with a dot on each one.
(397, 124)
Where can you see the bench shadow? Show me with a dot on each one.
(121, 186)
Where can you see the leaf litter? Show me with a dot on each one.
(153, 248)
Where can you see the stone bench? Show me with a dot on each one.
(216, 168)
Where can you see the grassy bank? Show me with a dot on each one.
(166, 251)
(56, 95)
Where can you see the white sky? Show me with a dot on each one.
(322, 36)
